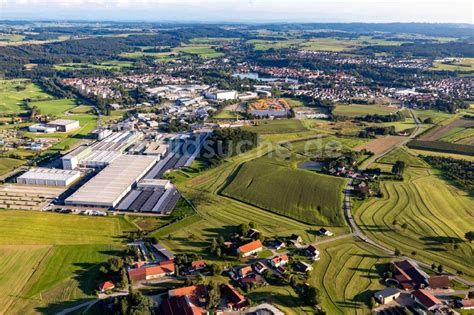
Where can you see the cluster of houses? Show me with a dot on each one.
(411, 280)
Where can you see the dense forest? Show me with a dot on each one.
(228, 142)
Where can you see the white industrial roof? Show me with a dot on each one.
(108, 187)
(62, 122)
(49, 174)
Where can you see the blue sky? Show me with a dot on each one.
(243, 10)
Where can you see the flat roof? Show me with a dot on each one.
(49, 174)
(108, 187)
(62, 122)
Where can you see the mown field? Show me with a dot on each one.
(54, 107)
(106, 65)
(50, 260)
(436, 214)
(355, 110)
(348, 274)
(7, 165)
(202, 50)
(278, 126)
(302, 195)
(13, 92)
(402, 154)
(464, 65)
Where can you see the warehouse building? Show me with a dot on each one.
(64, 125)
(101, 153)
(48, 177)
(41, 128)
(222, 95)
(108, 187)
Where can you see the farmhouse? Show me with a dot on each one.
(323, 231)
(426, 299)
(166, 268)
(186, 300)
(386, 295)
(409, 275)
(467, 304)
(234, 300)
(48, 177)
(250, 248)
(245, 271)
(108, 187)
(296, 239)
(260, 267)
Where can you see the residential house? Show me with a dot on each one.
(196, 266)
(386, 295)
(106, 286)
(323, 231)
(245, 271)
(312, 252)
(277, 244)
(259, 267)
(303, 266)
(234, 300)
(295, 239)
(279, 261)
(426, 299)
(250, 248)
(467, 304)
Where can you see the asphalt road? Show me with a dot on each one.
(357, 232)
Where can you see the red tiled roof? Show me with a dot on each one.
(198, 264)
(191, 290)
(107, 285)
(143, 272)
(426, 298)
(179, 306)
(245, 270)
(233, 296)
(278, 259)
(467, 303)
(250, 246)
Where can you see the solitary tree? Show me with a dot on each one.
(398, 168)
(397, 252)
(469, 236)
(440, 268)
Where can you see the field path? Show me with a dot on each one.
(356, 231)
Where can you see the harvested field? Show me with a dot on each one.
(431, 217)
(381, 145)
(402, 154)
(355, 110)
(438, 132)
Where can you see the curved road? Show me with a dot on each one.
(357, 232)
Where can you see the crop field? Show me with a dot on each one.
(269, 185)
(436, 215)
(434, 153)
(278, 126)
(218, 214)
(347, 275)
(459, 135)
(51, 260)
(436, 116)
(441, 146)
(464, 65)
(440, 131)
(402, 154)
(54, 107)
(13, 92)
(354, 110)
(203, 51)
(7, 165)
(382, 144)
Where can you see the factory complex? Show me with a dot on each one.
(49, 177)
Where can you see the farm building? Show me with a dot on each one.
(234, 300)
(41, 128)
(48, 177)
(166, 268)
(250, 248)
(186, 300)
(64, 125)
(108, 187)
(386, 295)
(409, 275)
(427, 300)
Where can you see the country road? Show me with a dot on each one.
(354, 228)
